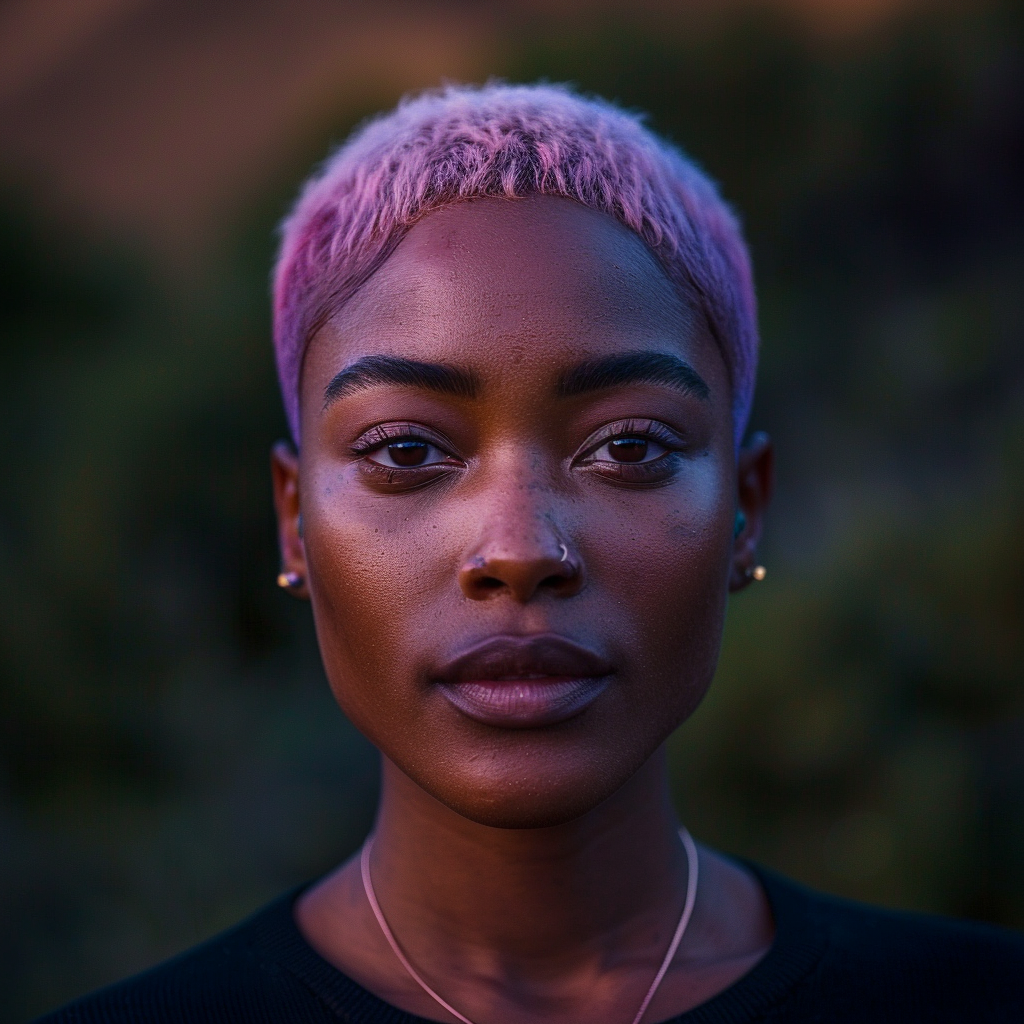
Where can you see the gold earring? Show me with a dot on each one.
(289, 580)
(758, 573)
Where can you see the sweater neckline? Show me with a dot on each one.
(800, 940)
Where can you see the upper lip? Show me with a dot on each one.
(507, 658)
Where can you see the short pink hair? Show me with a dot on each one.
(466, 142)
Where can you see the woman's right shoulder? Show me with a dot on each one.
(234, 976)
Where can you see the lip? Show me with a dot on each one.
(524, 682)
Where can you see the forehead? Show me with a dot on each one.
(543, 280)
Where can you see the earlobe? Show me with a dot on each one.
(755, 482)
(284, 464)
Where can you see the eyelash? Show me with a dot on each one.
(400, 478)
(388, 433)
(654, 471)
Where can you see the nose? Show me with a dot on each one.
(522, 561)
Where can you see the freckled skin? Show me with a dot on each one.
(406, 571)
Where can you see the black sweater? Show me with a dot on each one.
(832, 961)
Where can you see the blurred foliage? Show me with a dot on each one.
(169, 754)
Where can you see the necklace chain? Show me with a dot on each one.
(692, 863)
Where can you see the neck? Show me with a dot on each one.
(532, 894)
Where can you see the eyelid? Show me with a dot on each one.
(651, 429)
(382, 434)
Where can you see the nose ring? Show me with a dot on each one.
(565, 553)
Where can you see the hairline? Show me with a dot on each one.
(326, 312)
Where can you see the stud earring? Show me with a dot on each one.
(740, 524)
(289, 580)
(758, 573)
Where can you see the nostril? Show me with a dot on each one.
(522, 578)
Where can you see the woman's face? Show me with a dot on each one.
(518, 486)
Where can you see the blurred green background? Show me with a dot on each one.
(169, 754)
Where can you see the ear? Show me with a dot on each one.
(284, 468)
(755, 482)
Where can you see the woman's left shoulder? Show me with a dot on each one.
(877, 933)
(883, 964)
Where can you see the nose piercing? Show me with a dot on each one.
(565, 553)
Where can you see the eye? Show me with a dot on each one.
(633, 452)
(407, 453)
(629, 450)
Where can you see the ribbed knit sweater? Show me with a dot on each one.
(832, 961)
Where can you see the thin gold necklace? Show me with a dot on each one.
(692, 863)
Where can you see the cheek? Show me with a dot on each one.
(378, 578)
(663, 565)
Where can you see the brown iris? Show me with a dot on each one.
(408, 453)
(628, 449)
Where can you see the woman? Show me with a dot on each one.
(516, 340)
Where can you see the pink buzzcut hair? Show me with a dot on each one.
(465, 142)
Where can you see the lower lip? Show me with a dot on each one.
(524, 703)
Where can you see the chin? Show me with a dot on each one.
(530, 788)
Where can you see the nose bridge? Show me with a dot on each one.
(520, 499)
(519, 544)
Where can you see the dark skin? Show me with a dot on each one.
(547, 449)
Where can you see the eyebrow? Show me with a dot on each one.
(633, 368)
(382, 371)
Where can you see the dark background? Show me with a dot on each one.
(169, 754)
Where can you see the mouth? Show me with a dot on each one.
(524, 682)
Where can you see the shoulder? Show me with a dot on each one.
(234, 976)
(873, 935)
(891, 965)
